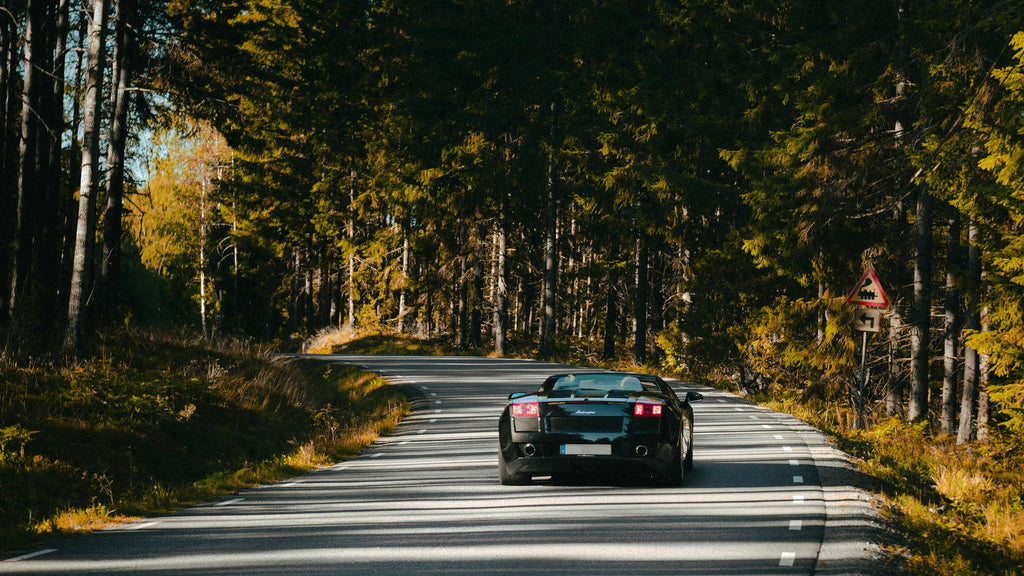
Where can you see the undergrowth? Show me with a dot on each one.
(960, 508)
(150, 422)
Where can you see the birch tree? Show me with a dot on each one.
(82, 270)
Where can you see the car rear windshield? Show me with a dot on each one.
(602, 383)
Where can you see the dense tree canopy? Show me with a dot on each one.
(695, 182)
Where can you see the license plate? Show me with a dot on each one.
(587, 449)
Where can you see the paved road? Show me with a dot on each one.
(426, 500)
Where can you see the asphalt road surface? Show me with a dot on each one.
(767, 496)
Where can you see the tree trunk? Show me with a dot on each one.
(611, 319)
(965, 432)
(202, 257)
(475, 269)
(500, 285)
(894, 391)
(405, 280)
(656, 304)
(8, 187)
(49, 231)
(29, 173)
(953, 321)
(640, 303)
(921, 315)
(81, 276)
(547, 331)
(983, 399)
(350, 319)
(324, 297)
(462, 313)
(110, 269)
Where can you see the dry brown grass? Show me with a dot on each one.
(961, 508)
(90, 443)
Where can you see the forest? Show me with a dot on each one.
(697, 184)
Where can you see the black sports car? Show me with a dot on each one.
(607, 420)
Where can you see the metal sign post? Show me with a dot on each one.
(867, 292)
(860, 384)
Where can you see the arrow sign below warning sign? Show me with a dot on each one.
(868, 291)
(867, 320)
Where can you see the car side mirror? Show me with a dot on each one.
(692, 397)
(515, 395)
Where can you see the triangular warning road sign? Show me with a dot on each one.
(868, 291)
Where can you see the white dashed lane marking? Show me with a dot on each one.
(32, 555)
(787, 559)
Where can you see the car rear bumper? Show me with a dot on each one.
(626, 457)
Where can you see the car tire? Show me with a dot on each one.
(688, 461)
(510, 479)
(674, 477)
(682, 460)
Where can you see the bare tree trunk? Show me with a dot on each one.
(547, 331)
(921, 315)
(405, 280)
(28, 175)
(69, 206)
(110, 269)
(476, 286)
(84, 238)
(656, 304)
(965, 432)
(350, 320)
(953, 321)
(8, 186)
(428, 313)
(202, 256)
(894, 392)
(295, 292)
(462, 309)
(611, 319)
(500, 284)
(640, 303)
(324, 297)
(307, 321)
(45, 254)
(983, 399)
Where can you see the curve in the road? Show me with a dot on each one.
(767, 496)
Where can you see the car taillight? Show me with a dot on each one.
(646, 409)
(526, 410)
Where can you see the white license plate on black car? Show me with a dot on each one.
(587, 449)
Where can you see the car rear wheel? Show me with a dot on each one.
(688, 438)
(683, 460)
(508, 478)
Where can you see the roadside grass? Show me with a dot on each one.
(959, 508)
(152, 422)
(354, 341)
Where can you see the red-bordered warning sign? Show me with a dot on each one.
(868, 291)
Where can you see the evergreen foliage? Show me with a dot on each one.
(699, 182)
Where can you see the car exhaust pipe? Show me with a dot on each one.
(641, 451)
(529, 450)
